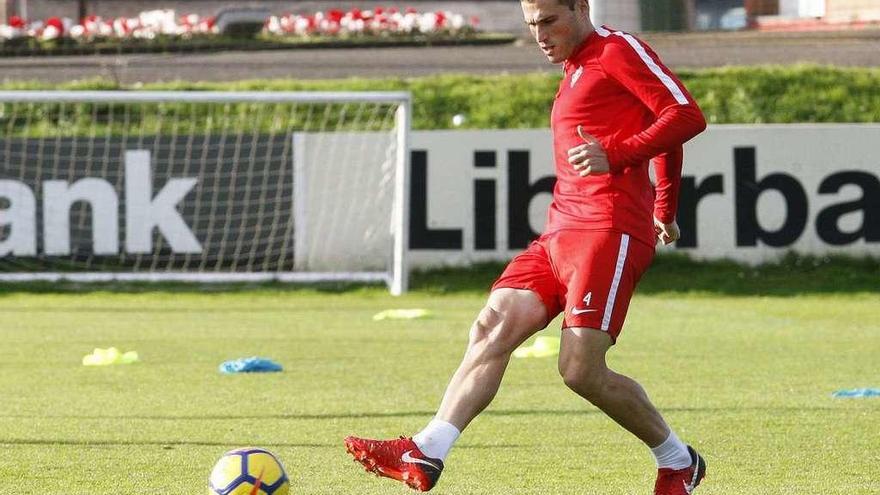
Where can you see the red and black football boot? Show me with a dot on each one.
(681, 481)
(397, 459)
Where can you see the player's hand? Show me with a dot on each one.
(666, 232)
(588, 158)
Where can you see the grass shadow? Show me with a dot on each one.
(586, 411)
(172, 444)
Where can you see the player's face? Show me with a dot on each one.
(557, 29)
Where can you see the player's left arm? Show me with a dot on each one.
(667, 169)
(678, 118)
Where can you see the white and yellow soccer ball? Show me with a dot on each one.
(248, 471)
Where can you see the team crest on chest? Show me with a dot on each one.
(576, 75)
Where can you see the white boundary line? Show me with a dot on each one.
(304, 277)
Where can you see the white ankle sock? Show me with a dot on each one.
(437, 439)
(672, 453)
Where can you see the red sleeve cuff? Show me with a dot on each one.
(664, 216)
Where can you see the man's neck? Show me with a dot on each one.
(588, 30)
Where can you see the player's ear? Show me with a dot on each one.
(582, 6)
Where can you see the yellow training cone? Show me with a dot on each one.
(542, 347)
(105, 357)
(401, 314)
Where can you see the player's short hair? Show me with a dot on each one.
(568, 3)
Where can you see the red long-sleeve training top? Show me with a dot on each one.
(617, 88)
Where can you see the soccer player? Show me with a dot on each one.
(617, 108)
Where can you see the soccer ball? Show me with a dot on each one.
(248, 471)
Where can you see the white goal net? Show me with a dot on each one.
(204, 186)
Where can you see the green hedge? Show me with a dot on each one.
(727, 95)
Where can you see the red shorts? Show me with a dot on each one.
(590, 275)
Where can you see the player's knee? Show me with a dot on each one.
(488, 322)
(487, 335)
(588, 380)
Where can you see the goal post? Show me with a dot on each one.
(204, 186)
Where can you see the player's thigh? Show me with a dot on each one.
(510, 317)
(524, 298)
(600, 271)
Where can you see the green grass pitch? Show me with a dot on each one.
(741, 362)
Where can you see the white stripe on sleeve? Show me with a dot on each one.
(667, 81)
